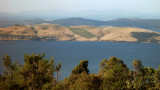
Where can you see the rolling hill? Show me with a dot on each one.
(78, 33)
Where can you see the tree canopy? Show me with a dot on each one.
(37, 73)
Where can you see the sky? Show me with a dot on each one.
(80, 5)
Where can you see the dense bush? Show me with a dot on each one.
(38, 73)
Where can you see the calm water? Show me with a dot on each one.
(156, 30)
(69, 53)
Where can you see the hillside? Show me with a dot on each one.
(76, 22)
(78, 33)
(150, 24)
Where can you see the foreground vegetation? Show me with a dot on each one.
(39, 73)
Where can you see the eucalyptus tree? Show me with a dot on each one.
(36, 73)
(114, 74)
(57, 69)
(82, 67)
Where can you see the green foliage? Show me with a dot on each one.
(86, 82)
(82, 32)
(103, 63)
(82, 67)
(114, 74)
(81, 81)
(144, 77)
(137, 65)
(57, 68)
(36, 73)
(7, 61)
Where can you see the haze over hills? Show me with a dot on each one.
(78, 33)
(55, 14)
(115, 17)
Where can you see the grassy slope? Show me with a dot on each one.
(78, 33)
(145, 36)
(82, 32)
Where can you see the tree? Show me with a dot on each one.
(80, 79)
(36, 73)
(138, 74)
(157, 78)
(73, 81)
(145, 77)
(57, 68)
(114, 74)
(103, 63)
(8, 79)
(82, 67)
(137, 65)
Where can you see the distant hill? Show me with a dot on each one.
(78, 33)
(54, 14)
(150, 24)
(76, 22)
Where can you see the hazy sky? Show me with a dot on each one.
(76, 5)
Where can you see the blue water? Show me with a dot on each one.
(69, 53)
(156, 30)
